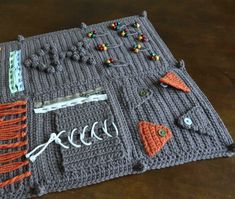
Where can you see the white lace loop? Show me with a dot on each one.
(93, 131)
(82, 136)
(106, 130)
(70, 139)
(32, 155)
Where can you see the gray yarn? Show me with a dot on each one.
(63, 63)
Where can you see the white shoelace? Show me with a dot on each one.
(32, 155)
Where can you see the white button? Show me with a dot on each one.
(164, 85)
(188, 121)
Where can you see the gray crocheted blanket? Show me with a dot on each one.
(89, 104)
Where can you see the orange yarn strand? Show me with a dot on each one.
(12, 166)
(13, 128)
(13, 111)
(6, 157)
(12, 121)
(13, 145)
(15, 179)
(12, 104)
(12, 135)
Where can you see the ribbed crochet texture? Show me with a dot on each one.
(63, 63)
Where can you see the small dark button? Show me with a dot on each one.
(231, 147)
(162, 132)
(143, 93)
(138, 167)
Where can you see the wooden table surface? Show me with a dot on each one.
(202, 32)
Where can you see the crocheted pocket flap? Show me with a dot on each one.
(154, 136)
(173, 80)
(195, 119)
(134, 96)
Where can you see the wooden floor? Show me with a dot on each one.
(202, 32)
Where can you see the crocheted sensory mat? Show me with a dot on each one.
(89, 104)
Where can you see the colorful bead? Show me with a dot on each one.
(115, 25)
(123, 33)
(102, 47)
(136, 48)
(136, 25)
(142, 38)
(92, 34)
(108, 61)
(154, 57)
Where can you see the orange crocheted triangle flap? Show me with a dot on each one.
(153, 136)
(175, 81)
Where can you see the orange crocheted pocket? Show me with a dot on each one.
(175, 81)
(13, 142)
(154, 137)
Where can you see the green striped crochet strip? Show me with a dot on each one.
(15, 72)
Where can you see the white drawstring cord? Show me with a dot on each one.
(56, 137)
(53, 137)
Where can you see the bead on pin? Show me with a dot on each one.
(138, 48)
(93, 34)
(142, 38)
(105, 46)
(111, 62)
(154, 57)
(126, 33)
(117, 25)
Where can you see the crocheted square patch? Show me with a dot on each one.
(154, 137)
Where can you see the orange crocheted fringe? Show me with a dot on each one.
(13, 104)
(175, 81)
(6, 123)
(154, 137)
(11, 129)
(7, 157)
(13, 145)
(15, 179)
(12, 166)
(12, 135)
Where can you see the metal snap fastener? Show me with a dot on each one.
(188, 121)
(162, 132)
(138, 167)
(143, 93)
(163, 85)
